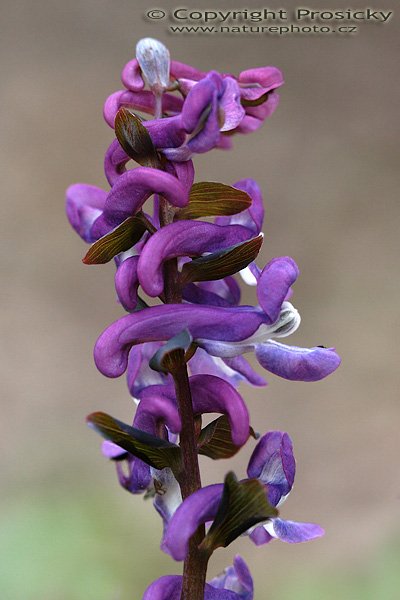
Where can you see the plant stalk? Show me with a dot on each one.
(195, 565)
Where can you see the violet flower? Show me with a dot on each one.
(212, 104)
(272, 462)
(184, 357)
(222, 332)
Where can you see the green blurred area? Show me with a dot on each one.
(73, 546)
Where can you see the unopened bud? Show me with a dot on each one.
(154, 61)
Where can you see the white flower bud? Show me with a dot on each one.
(154, 61)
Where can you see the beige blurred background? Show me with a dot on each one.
(327, 162)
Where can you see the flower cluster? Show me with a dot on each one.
(184, 356)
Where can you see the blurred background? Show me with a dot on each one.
(327, 163)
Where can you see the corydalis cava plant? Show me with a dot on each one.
(184, 355)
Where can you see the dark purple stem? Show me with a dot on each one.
(195, 565)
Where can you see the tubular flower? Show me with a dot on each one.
(183, 242)
(210, 105)
(273, 464)
(222, 332)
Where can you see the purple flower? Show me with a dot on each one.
(212, 106)
(272, 463)
(235, 370)
(132, 76)
(213, 103)
(157, 413)
(133, 474)
(84, 204)
(235, 583)
(193, 112)
(222, 292)
(130, 192)
(139, 101)
(94, 213)
(210, 394)
(183, 238)
(236, 578)
(251, 218)
(222, 332)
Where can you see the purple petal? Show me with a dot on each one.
(222, 292)
(274, 283)
(212, 394)
(139, 374)
(114, 162)
(143, 101)
(265, 110)
(196, 294)
(154, 410)
(179, 69)
(200, 97)
(235, 370)
(224, 142)
(183, 238)
(249, 124)
(297, 364)
(130, 192)
(84, 203)
(237, 579)
(209, 130)
(240, 365)
(226, 288)
(256, 210)
(131, 76)
(185, 85)
(200, 112)
(133, 474)
(178, 155)
(252, 218)
(258, 81)
(230, 103)
(256, 115)
(184, 171)
(272, 462)
(111, 450)
(166, 133)
(294, 533)
(260, 536)
(169, 587)
(196, 509)
(160, 323)
(127, 282)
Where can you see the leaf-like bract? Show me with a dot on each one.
(222, 263)
(210, 199)
(154, 451)
(120, 239)
(135, 139)
(243, 505)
